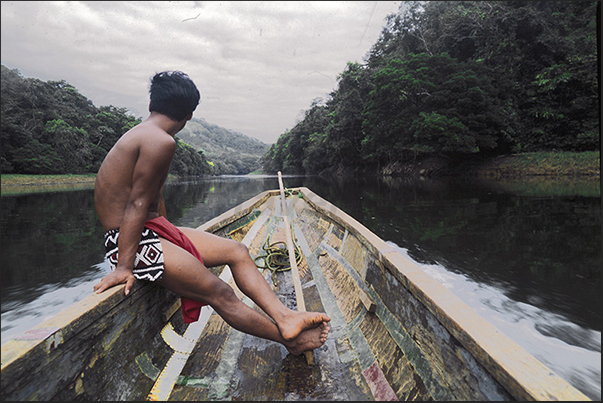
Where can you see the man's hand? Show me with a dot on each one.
(114, 278)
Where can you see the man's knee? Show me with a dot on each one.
(222, 294)
(240, 252)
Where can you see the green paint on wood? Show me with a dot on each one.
(146, 366)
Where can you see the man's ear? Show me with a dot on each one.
(190, 116)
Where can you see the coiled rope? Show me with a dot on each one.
(276, 258)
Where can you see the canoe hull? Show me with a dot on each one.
(75, 353)
(396, 334)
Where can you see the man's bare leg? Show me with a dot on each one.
(216, 250)
(186, 276)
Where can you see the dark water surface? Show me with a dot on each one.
(525, 254)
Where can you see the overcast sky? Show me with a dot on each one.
(259, 65)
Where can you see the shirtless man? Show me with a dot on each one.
(128, 202)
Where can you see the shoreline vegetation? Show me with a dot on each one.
(542, 163)
(536, 164)
(59, 179)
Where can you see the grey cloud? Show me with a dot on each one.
(257, 64)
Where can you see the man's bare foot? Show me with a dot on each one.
(308, 339)
(294, 324)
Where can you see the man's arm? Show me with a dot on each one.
(152, 165)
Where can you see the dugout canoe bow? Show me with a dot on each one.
(396, 333)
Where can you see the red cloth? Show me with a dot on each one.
(191, 309)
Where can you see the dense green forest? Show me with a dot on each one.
(50, 128)
(457, 80)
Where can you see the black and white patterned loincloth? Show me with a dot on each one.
(148, 264)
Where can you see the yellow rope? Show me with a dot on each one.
(276, 258)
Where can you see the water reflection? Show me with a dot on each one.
(47, 238)
(572, 351)
(527, 255)
(195, 202)
(545, 250)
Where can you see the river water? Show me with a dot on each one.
(525, 254)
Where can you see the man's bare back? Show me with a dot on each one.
(144, 148)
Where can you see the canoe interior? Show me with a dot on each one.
(395, 333)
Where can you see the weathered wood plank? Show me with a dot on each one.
(64, 365)
(203, 362)
(355, 253)
(343, 288)
(397, 369)
(367, 301)
(299, 294)
(260, 374)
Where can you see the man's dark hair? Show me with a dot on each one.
(173, 94)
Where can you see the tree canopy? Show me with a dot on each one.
(457, 78)
(50, 128)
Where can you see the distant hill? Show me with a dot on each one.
(230, 152)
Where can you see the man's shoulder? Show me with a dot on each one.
(151, 133)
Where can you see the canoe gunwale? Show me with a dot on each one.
(511, 365)
(51, 344)
(87, 310)
(237, 212)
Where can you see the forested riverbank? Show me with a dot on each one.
(49, 128)
(534, 164)
(551, 164)
(450, 85)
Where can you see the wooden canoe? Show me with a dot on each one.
(396, 333)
